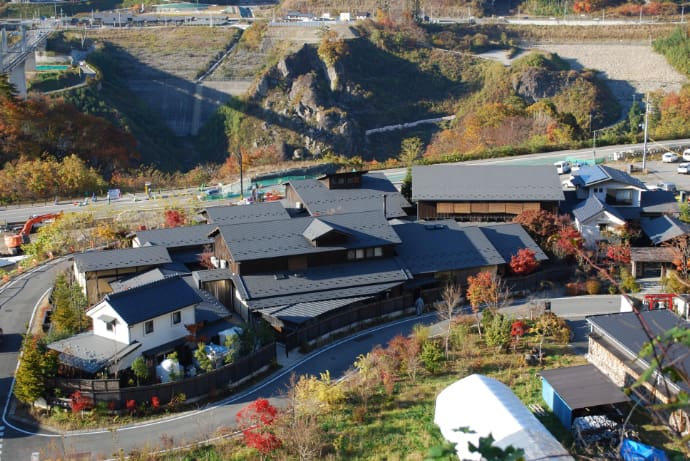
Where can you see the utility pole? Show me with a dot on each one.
(239, 157)
(594, 147)
(646, 122)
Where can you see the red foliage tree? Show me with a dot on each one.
(524, 262)
(174, 218)
(518, 329)
(155, 402)
(540, 224)
(568, 242)
(131, 405)
(619, 253)
(255, 420)
(79, 402)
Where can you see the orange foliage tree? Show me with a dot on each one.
(524, 262)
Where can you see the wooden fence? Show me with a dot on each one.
(108, 391)
(350, 317)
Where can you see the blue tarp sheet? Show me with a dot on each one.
(636, 451)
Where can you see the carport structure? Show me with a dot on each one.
(579, 391)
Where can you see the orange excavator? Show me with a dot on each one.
(14, 242)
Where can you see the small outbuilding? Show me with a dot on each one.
(486, 406)
(579, 391)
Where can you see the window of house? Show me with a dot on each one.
(370, 252)
(602, 227)
(359, 253)
(148, 327)
(350, 255)
(378, 252)
(176, 317)
(110, 326)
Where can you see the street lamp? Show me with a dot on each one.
(239, 158)
(646, 122)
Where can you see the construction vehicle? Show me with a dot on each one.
(15, 241)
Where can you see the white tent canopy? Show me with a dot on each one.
(487, 406)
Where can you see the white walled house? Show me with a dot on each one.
(612, 187)
(148, 318)
(593, 219)
(152, 314)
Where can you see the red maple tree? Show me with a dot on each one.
(255, 419)
(174, 218)
(619, 253)
(79, 402)
(524, 262)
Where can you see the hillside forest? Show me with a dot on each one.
(315, 102)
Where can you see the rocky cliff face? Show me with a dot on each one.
(536, 83)
(305, 96)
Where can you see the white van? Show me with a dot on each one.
(686, 155)
(562, 167)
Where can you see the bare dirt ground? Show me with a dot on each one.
(634, 63)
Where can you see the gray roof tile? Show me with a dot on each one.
(299, 313)
(275, 239)
(509, 238)
(319, 200)
(444, 245)
(593, 206)
(315, 283)
(92, 261)
(486, 183)
(176, 237)
(589, 175)
(238, 214)
(663, 228)
(152, 300)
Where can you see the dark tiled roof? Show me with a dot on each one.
(176, 237)
(275, 239)
(583, 386)
(486, 183)
(659, 202)
(625, 330)
(212, 275)
(128, 257)
(662, 229)
(318, 283)
(443, 246)
(509, 238)
(319, 200)
(592, 207)
(238, 214)
(152, 300)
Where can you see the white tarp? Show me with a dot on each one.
(487, 406)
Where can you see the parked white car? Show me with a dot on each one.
(562, 167)
(683, 168)
(669, 157)
(686, 155)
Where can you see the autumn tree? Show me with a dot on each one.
(255, 421)
(539, 224)
(406, 186)
(201, 356)
(174, 218)
(332, 48)
(524, 262)
(486, 289)
(37, 363)
(406, 354)
(411, 150)
(450, 298)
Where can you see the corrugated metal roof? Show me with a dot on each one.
(176, 237)
(583, 386)
(486, 183)
(276, 239)
(91, 353)
(663, 229)
(138, 280)
(443, 246)
(148, 301)
(128, 257)
(626, 330)
(212, 275)
(298, 286)
(320, 200)
(237, 214)
(303, 312)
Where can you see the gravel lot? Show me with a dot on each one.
(630, 68)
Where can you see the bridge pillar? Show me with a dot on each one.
(30, 62)
(18, 79)
(3, 46)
